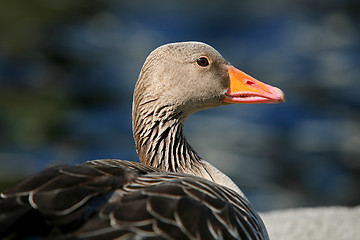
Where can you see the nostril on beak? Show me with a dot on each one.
(248, 82)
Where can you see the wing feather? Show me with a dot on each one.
(107, 199)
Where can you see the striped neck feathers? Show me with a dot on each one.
(159, 137)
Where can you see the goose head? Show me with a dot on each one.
(176, 80)
(192, 76)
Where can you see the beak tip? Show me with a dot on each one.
(280, 95)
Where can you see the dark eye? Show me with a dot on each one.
(202, 61)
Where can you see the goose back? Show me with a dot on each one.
(107, 199)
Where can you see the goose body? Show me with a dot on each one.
(173, 193)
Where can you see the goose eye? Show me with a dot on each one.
(202, 61)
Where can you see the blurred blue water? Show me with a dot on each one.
(66, 90)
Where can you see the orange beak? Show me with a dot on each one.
(246, 89)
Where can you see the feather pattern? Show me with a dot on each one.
(138, 201)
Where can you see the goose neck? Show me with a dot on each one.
(160, 140)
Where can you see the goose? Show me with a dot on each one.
(173, 193)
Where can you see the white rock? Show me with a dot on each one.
(323, 223)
